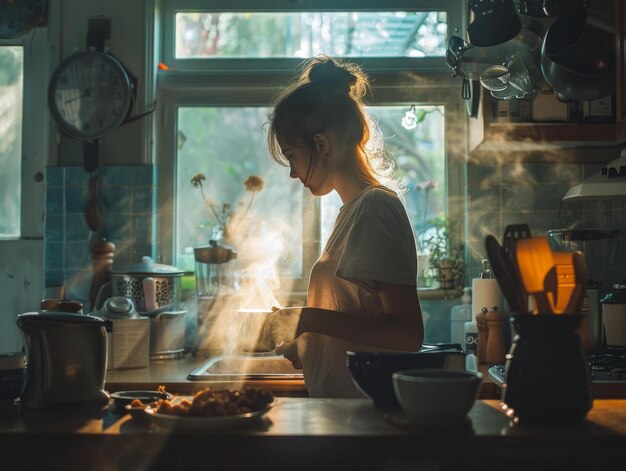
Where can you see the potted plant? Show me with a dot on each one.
(444, 257)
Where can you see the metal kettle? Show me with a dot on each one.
(66, 358)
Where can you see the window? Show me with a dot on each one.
(225, 63)
(304, 34)
(11, 87)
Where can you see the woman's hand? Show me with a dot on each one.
(290, 351)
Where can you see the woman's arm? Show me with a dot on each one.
(400, 327)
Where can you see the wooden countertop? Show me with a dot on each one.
(305, 433)
(173, 375)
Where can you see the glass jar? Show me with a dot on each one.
(215, 270)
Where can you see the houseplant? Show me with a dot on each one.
(445, 258)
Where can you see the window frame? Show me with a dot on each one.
(456, 15)
(34, 123)
(255, 82)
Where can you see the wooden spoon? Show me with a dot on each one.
(92, 210)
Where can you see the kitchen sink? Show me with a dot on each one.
(238, 367)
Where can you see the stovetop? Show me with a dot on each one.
(605, 366)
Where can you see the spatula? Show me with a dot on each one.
(578, 294)
(512, 232)
(506, 275)
(534, 262)
(561, 281)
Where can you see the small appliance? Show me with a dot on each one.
(66, 358)
(155, 291)
(129, 340)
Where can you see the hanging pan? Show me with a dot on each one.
(578, 58)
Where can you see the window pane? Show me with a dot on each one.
(227, 145)
(11, 84)
(420, 154)
(305, 34)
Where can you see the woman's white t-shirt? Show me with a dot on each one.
(372, 240)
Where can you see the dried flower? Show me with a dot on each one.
(197, 179)
(253, 184)
(426, 185)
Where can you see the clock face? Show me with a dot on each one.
(89, 95)
(18, 17)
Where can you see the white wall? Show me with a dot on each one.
(131, 25)
(22, 260)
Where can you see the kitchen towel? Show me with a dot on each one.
(486, 293)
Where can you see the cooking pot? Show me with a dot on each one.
(614, 316)
(151, 286)
(495, 22)
(578, 58)
(66, 356)
(167, 334)
(253, 338)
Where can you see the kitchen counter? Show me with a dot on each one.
(173, 375)
(305, 433)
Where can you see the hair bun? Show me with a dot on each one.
(333, 74)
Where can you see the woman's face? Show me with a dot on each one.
(309, 166)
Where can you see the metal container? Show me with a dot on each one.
(129, 341)
(66, 358)
(150, 286)
(614, 316)
(167, 334)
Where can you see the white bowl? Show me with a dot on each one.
(436, 396)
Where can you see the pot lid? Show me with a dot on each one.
(147, 267)
(617, 296)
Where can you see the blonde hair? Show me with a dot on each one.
(328, 96)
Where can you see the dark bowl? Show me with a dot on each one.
(371, 371)
(121, 399)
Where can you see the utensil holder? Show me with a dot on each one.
(547, 376)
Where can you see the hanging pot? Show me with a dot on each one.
(495, 22)
(578, 58)
(469, 61)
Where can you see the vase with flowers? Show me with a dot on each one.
(215, 271)
(228, 218)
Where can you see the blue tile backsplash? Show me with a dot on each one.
(127, 198)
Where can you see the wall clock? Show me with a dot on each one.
(90, 94)
(18, 17)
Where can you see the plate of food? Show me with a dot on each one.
(212, 409)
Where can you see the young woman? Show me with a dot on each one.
(362, 292)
